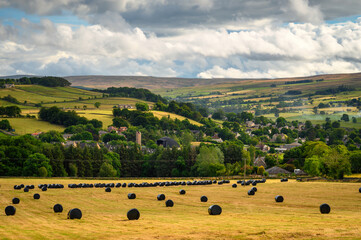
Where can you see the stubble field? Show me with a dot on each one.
(243, 216)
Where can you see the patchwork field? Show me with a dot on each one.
(243, 216)
(30, 125)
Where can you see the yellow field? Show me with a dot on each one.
(29, 125)
(173, 116)
(243, 216)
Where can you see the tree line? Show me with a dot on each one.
(129, 92)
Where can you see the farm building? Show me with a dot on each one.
(260, 161)
(277, 170)
(167, 142)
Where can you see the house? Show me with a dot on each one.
(122, 129)
(167, 142)
(260, 161)
(299, 172)
(9, 85)
(250, 124)
(88, 144)
(277, 137)
(101, 133)
(67, 136)
(216, 138)
(277, 170)
(70, 143)
(263, 147)
(112, 128)
(292, 145)
(280, 149)
(36, 134)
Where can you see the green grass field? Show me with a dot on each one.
(243, 216)
(29, 125)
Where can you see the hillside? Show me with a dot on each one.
(67, 98)
(167, 83)
(293, 98)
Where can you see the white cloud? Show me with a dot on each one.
(111, 45)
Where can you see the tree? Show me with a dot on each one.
(261, 170)
(97, 104)
(186, 138)
(107, 170)
(354, 120)
(355, 159)
(51, 136)
(112, 136)
(85, 135)
(33, 164)
(73, 170)
(5, 125)
(345, 117)
(218, 114)
(120, 122)
(114, 159)
(210, 161)
(142, 106)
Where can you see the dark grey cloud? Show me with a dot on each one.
(156, 15)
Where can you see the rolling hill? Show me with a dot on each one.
(67, 98)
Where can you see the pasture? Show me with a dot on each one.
(243, 216)
(30, 125)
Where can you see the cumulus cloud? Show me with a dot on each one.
(204, 38)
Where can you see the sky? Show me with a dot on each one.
(180, 38)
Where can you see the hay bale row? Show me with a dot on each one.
(251, 182)
(21, 186)
(53, 186)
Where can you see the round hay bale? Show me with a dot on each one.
(108, 189)
(44, 189)
(359, 189)
(182, 192)
(254, 183)
(133, 214)
(131, 196)
(220, 182)
(214, 210)
(75, 213)
(58, 208)
(10, 210)
(254, 189)
(169, 203)
(124, 185)
(204, 199)
(16, 200)
(250, 192)
(26, 189)
(279, 198)
(325, 208)
(161, 197)
(21, 185)
(36, 196)
(234, 185)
